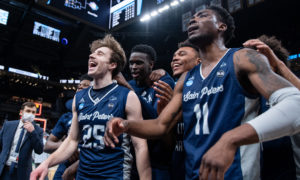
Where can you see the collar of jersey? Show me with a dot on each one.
(96, 101)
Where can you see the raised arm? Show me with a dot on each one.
(154, 128)
(157, 74)
(67, 148)
(280, 120)
(134, 111)
(276, 64)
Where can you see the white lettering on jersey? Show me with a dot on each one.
(204, 91)
(95, 115)
(190, 96)
(147, 99)
(212, 90)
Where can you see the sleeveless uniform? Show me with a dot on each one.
(212, 106)
(94, 109)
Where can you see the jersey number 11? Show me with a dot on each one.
(204, 113)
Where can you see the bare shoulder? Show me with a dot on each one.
(249, 60)
(131, 95)
(253, 66)
(132, 100)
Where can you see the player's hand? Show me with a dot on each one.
(122, 81)
(28, 126)
(114, 128)
(217, 160)
(40, 172)
(265, 50)
(157, 74)
(164, 93)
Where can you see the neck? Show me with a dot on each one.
(102, 82)
(213, 52)
(145, 82)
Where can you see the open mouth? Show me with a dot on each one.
(92, 64)
(191, 28)
(176, 66)
(135, 74)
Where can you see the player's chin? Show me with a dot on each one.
(177, 72)
(92, 73)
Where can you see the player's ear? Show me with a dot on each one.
(151, 64)
(222, 27)
(112, 66)
(198, 61)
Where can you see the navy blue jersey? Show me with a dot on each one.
(160, 153)
(211, 106)
(178, 157)
(282, 148)
(62, 126)
(94, 109)
(147, 96)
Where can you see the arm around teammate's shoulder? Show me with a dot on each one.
(256, 68)
(153, 128)
(283, 116)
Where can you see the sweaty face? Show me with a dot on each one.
(99, 62)
(83, 84)
(184, 59)
(203, 26)
(140, 66)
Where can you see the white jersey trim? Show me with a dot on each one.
(99, 100)
(214, 66)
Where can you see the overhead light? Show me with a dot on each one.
(174, 3)
(166, 7)
(154, 13)
(145, 17)
(181, 0)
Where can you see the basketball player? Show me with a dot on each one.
(141, 63)
(282, 168)
(92, 107)
(184, 59)
(216, 96)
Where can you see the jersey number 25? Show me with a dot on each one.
(95, 132)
